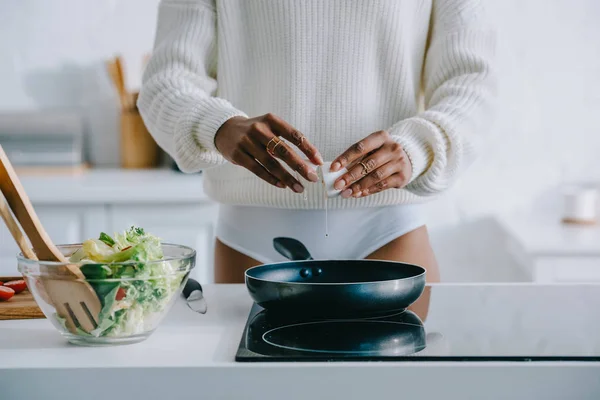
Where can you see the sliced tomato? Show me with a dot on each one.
(18, 286)
(1, 283)
(6, 293)
(120, 294)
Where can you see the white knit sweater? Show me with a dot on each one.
(337, 70)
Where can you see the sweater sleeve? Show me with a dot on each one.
(459, 86)
(177, 100)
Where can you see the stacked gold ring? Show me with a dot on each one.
(276, 141)
(365, 168)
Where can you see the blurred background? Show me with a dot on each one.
(88, 165)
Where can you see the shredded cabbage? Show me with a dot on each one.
(132, 295)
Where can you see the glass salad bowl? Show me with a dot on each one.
(135, 291)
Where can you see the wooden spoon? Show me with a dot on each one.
(15, 230)
(74, 299)
(115, 71)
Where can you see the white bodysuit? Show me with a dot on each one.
(352, 233)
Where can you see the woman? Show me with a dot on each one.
(257, 93)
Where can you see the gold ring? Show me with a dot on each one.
(366, 169)
(277, 143)
(274, 147)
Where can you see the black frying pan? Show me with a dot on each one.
(333, 288)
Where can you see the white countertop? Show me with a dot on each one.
(192, 355)
(184, 339)
(115, 186)
(545, 235)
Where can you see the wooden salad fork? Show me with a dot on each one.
(74, 299)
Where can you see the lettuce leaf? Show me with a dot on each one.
(106, 239)
(149, 286)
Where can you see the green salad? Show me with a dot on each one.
(134, 293)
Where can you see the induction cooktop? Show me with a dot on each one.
(448, 323)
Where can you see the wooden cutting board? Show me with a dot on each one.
(20, 306)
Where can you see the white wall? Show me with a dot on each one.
(52, 55)
(547, 130)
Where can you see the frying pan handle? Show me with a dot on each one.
(291, 249)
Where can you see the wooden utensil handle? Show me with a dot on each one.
(15, 230)
(19, 203)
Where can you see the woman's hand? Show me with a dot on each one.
(374, 164)
(254, 143)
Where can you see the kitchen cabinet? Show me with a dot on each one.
(567, 269)
(169, 204)
(553, 252)
(64, 224)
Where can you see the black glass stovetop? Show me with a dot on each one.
(448, 323)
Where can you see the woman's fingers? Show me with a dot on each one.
(243, 159)
(381, 173)
(386, 167)
(260, 138)
(359, 150)
(397, 181)
(287, 155)
(295, 137)
(366, 166)
(265, 141)
(276, 169)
